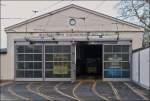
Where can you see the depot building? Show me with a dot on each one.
(71, 43)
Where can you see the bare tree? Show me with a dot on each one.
(138, 12)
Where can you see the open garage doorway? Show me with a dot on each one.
(89, 61)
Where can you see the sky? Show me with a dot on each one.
(13, 12)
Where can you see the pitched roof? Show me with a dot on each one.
(67, 7)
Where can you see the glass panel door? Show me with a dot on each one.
(57, 61)
(28, 62)
(116, 61)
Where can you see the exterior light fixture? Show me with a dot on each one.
(28, 40)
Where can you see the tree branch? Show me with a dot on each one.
(135, 10)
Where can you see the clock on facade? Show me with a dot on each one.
(72, 22)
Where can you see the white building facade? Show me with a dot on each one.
(71, 43)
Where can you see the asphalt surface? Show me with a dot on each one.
(77, 91)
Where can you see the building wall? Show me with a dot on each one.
(4, 67)
(59, 22)
(8, 71)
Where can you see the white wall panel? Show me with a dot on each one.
(135, 69)
(144, 67)
(141, 67)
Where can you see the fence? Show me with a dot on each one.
(141, 67)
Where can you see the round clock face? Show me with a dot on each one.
(72, 22)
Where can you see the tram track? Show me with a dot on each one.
(64, 94)
(29, 88)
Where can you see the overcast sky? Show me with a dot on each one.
(22, 10)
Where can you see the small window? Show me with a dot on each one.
(125, 48)
(19, 74)
(37, 74)
(28, 74)
(108, 57)
(37, 65)
(125, 65)
(37, 49)
(37, 57)
(20, 57)
(125, 74)
(49, 49)
(29, 49)
(108, 48)
(20, 49)
(29, 57)
(48, 65)
(66, 49)
(125, 57)
(49, 57)
(20, 65)
(57, 49)
(29, 65)
(116, 48)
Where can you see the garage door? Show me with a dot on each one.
(48, 62)
(117, 62)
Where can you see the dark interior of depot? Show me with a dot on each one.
(89, 61)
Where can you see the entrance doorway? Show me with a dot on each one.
(89, 61)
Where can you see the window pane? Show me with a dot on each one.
(125, 74)
(37, 74)
(62, 57)
(107, 65)
(20, 65)
(49, 57)
(125, 48)
(116, 64)
(49, 49)
(37, 57)
(108, 48)
(20, 57)
(67, 75)
(61, 68)
(66, 49)
(108, 73)
(125, 57)
(117, 57)
(125, 65)
(49, 74)
(29, 65)
(28, 57)
(29, 49)
(37, 49)
(49, 65)
(108, 57)
(28, 74)
(116, 48)
(37, 65)
(19, 74)
(57, 49)
(20, 49)
(112, 65)
(117, 73)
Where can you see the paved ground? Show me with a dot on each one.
(79, 90)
